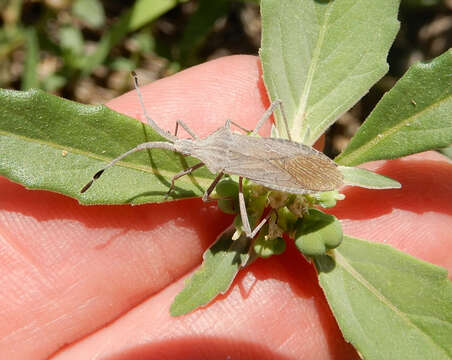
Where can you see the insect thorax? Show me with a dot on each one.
(212, 151)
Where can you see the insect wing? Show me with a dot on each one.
(283, 165)
(312, 171)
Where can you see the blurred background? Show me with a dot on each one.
(84, 50)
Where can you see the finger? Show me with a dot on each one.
(204, 96)
(68, 269)
(276, 308)
(416, 218)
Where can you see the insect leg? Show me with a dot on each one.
(186, 128)
(143, 146)
(267, 115)
(180, 174)
(205, 197)
(286, 124)
(243, 213)
(240, 127)
(149, 120)
(259, 226)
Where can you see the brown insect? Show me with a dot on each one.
(275, 163)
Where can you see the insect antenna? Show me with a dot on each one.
(149, 120)
(95, 177)
(147, 145)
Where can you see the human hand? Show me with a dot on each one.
(96, 282)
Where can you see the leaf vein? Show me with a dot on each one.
(354, 273)
(69, 149)
(299, 122)
(390, 131)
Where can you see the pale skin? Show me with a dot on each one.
(96, 282)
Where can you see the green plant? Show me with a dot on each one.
(61, 45)
(74, 28)
(367, 285)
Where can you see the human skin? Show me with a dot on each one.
(82, 282)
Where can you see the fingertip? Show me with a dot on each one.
(415, 218)
(203, 96)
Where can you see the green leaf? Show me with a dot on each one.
(327, 199)
(321, 57)
(71, 40)
(265, 248)
(414, 116)
(50, 143)
(143, 12)
(447, 151)
(222, 262)
(388, 304)
(145, 42)
(123, 64)
(30, 75)
(367, 179)
(72, 45)
(227, 193)
(198, 28)
(91, 12)
(54, 82)
(317, 232)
